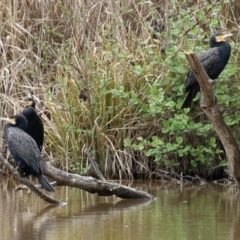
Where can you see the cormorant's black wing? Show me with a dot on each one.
(208, 60)
(23, 149)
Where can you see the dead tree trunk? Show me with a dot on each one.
(213, 113)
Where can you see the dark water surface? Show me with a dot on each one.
(190, 212)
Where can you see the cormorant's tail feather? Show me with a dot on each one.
(45, 184)
(188, 100)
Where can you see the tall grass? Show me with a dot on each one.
(55, 49)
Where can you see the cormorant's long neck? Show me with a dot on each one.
(29, 111)
(23, 126)
(225, 51)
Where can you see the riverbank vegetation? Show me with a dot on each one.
(109, 76)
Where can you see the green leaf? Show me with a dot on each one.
(179, 140)
(127, 142)
(193, 163)
(140, 138)
(170, 51)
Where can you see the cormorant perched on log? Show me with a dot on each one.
(214, 61)
(35, 125)
(24, 149)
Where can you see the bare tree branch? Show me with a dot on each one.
(213, 113)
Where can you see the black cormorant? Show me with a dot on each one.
(214, 61)
(35, 125)
(24, 149)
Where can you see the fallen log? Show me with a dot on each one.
(89, 184)
(93, 185)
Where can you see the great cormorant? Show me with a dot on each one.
(24, 149)
(35, 125)
(214, 61)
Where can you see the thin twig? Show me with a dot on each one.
(95, 166)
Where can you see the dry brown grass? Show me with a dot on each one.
(54, 49)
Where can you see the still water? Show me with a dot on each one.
(189, 212)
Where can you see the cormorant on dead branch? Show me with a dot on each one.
(214, 61)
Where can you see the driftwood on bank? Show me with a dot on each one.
(210, 108)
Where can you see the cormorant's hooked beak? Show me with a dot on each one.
(222, 38)
(25, 103)
(10, 120)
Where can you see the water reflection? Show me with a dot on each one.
(189, 212)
